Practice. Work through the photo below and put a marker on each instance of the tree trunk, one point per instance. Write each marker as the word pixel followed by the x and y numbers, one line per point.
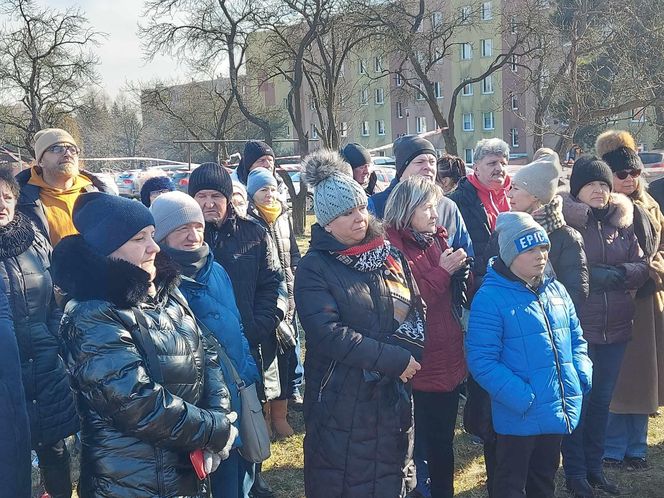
pixel 659 126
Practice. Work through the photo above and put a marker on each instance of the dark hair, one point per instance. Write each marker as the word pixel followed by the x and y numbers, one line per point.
pixel 7 176
pixel 450 166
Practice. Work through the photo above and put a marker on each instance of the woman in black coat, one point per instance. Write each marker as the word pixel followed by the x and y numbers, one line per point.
pixel 148 385
pixel 364 325
pixel 25 270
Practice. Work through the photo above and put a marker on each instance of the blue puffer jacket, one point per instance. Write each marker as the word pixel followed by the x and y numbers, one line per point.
pixel 210 297
pixel 527 350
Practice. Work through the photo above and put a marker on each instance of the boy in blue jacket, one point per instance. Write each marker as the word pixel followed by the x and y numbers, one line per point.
pixel 525 347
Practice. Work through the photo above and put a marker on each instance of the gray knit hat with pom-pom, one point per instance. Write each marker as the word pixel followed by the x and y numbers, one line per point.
pixel 335 190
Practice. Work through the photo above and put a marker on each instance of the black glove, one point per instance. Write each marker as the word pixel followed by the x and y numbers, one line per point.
pixel 460 285
pixel 604 278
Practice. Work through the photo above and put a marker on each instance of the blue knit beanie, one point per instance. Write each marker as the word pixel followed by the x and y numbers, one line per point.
pixel 155 184
pixel 258 179
pixel 107 221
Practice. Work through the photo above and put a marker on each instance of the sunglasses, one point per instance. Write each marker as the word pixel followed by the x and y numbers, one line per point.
pixel 60 149
pixel 634 173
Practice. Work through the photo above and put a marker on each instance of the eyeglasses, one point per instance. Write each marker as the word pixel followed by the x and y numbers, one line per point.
pixel 634 173
pixel 60 149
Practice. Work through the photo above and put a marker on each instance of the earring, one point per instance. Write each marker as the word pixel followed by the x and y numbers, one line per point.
pixel 328 229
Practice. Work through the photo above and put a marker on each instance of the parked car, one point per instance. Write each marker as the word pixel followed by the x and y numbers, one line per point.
pixel 653 162
pixel 384 176
pixel 181 180
pixel 295 178
pixel 127 183
pixel 380 161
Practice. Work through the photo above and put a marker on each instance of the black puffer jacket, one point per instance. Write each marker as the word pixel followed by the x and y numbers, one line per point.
pixel 249 256
pixel 25 269
pixel 288 253
pixel 357 431
pixel 137 434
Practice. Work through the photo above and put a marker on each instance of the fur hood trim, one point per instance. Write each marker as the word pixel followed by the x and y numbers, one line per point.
pixel 577 214
pixel 84 275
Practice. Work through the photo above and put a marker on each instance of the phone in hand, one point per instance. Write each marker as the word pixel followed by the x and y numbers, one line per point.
pixel 198 461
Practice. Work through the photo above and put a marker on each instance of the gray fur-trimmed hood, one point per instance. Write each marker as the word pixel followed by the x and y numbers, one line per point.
pixel 577 214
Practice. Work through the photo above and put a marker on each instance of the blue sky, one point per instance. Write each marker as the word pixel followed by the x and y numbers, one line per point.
pixel 120 52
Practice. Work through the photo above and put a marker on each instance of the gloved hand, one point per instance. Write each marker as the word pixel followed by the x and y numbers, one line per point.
pixel 460 285
pixel 225 453
pixel 605 278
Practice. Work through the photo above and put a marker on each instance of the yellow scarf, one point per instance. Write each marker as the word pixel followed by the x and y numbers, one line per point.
pixel 58 204
pixel 270 213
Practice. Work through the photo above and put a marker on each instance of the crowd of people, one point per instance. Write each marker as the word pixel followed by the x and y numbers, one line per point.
pixel 139 326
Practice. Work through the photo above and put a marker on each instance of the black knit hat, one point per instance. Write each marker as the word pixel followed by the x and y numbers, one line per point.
pixel 407 148
pixel 588 169
pixel 253 151
pixel 107 221
pixel 618 148
pixel 155 184
pixel 355 155
pixel 622 159
pixel 213 177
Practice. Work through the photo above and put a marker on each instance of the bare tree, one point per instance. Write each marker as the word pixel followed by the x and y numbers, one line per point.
pixel 46 62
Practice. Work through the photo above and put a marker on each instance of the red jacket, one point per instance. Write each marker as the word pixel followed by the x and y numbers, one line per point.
pixel 443 363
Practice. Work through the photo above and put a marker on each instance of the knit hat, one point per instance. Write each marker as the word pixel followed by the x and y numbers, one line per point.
pixel 210 176
pixel 539 178
pixel 155 184
pixel 355 155
pixel 172 210
pixel 407 148
pixel 258 179
pixel 238 188
pixel 253 151
pixel 335 191
pixel 50 136
pixel 588 169
pixel 517 233
pixel 618 149
pixel 107 221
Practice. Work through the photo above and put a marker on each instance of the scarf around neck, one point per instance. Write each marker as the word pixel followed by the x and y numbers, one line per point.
pixel 550 215
pixel 191 262
pixel 408 315
pixel 423 240
pixel 270 213
pixel 16 236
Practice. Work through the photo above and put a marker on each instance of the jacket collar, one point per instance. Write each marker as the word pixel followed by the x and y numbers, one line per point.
pixel 578 215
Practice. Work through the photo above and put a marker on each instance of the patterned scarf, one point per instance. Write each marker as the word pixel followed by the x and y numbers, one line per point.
pixel 550 216
pixel 379 254
pixel 423 240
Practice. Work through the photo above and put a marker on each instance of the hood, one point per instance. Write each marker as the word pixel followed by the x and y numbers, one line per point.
pixel 577 214
pixel 85 275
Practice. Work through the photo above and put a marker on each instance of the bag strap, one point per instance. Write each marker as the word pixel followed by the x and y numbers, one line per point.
pixel 152 360
pixel 207 333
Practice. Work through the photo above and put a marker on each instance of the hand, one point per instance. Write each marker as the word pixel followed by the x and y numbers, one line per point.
pixel 232 435
pixel 605 278
pixel 452 260
pixel 410 371
pixel 210 461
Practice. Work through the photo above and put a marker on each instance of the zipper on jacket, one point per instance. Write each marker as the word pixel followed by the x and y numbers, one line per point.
pixel 326 379
pixel 160 472
pixel 557 360
pixel 606 299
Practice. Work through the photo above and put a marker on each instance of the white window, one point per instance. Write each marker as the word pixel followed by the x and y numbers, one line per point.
pixel 364 96
pixel 421 57
pixel 398 80
pixel 287 130
pixel 638 115
pixel 487 47
pixel 465 13
pixel 342 69
pixel 485 11
pixel 314 131
pixel 363 67
pixel 421 124
pixel 312 103
pixel 343 129
pixel 544 78
pixel 420 93
pixel 380 127
pixel 468 121
pixel 514 102
pixel 365 128
pixel 468 155
pixel 379 95
pixel 438 89
pixel 466 51
pixel 378 65
pixel 514 133
pixel 487 118
pixel 514 63
pixel 284 101
pixel 341 99
pixel 467 90
pixel 513 25
pixel 399 110
pixel 487 84
pixel 436 19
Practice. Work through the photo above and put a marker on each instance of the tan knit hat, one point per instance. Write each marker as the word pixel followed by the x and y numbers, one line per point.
pixel 50 136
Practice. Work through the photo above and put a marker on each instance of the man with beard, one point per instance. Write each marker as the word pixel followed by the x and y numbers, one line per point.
pixel 50 188
pixel 360 160
pixel 483 195
pixel 248 255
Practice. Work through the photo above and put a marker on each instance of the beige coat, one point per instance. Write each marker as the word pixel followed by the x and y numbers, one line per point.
pixel 640 387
